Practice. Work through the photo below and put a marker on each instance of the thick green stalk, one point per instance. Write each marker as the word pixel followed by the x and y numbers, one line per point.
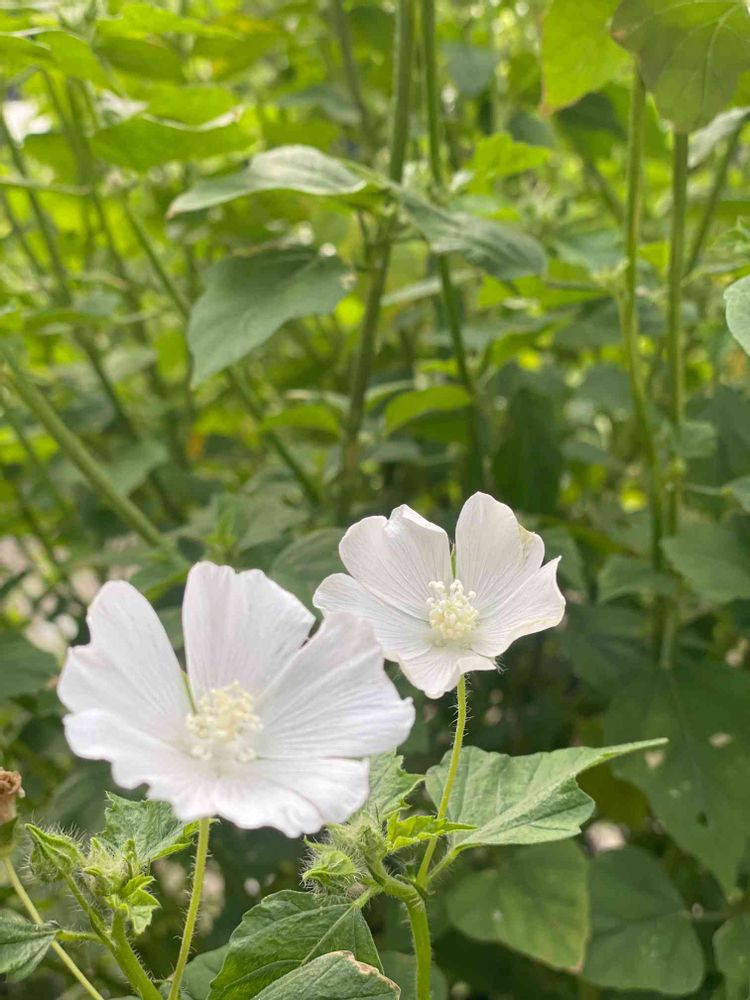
pixel 450 780
pixel 20 236
pixel 450 297
pixel 381 253
pixel 201 854
pixel 79 454
pixel 675 335
pixel 717 188
pixel 39 466
pixel 33 913
pixel 129 963
pixel 629 314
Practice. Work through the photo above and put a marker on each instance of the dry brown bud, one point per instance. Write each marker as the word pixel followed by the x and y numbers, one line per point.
pixel 10 790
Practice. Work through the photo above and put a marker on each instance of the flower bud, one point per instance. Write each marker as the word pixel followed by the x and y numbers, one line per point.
pixel 10 790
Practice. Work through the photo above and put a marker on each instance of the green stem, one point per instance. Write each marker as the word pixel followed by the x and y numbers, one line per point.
pixel 403 72
pixel 449 295
pixel 341 27
pixel 201 853
pixel 78 453
pixel 629 314
pixel 20 236
pixel 240 383
pixel 420 932
pixel 129 963
pixel 675 338
pixel 32 911
pixel 37 464
pixel 458 739
pixel 720 178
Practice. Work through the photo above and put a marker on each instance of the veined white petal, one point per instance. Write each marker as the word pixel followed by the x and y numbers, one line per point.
pixel 129 668
pixel 140 758
pixel 334 699
pixel 239 627
pixel 536 605
pixel 398 558
pixel 399 633
pixel 439 670
pixel 295 796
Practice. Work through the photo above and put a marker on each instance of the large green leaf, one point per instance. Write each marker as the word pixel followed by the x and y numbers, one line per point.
pixel 604 645
pixel 578 54
pixel 24 668
pixel 142 141
pixel 690 53
pixel 713 559
pixel 302 565
pixel 412 405
pixel 281 933
pixel 149 826
pixel 737 298
pixel 535 901
pixel 501 251
pixel 390 785
pixel 521 800
pixel 337 976
pixel 247 299
pixel 699 783
pixel 23 945
pixel 732 950
pixel 642 937
pixel 201 971
pixel 288 168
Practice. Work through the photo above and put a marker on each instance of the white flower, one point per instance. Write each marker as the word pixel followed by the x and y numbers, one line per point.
pixel 435 623
pixel 266 729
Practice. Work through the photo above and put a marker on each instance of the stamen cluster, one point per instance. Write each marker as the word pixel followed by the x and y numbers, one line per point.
pixel 452 615
pixel 224 724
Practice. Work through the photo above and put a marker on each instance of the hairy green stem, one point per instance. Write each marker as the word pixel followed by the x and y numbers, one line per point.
pixel 33 913
pixel 403 72
pixel 458 739
pixel 78 453
pixel 201 854
pixel 675 335
pixel 717 188
pixel 351 71
pixel 130 964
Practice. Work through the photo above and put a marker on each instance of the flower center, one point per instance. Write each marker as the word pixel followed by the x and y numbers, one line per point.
pixel 452 616
pixel 224 724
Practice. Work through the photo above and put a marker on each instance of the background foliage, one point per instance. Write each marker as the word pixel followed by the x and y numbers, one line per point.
pixel 231 323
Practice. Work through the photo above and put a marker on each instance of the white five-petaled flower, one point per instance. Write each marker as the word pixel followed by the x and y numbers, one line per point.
pixel 435 623
pixel 266 728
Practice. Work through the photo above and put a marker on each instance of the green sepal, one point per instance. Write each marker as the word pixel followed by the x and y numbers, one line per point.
pixel 403 833
pixel 54 855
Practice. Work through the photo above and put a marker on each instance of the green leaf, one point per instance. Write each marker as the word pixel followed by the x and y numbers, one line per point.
pixel 535 901
pixel 713 559
pixel 282 932
pixel 699 784
pixel 740 490
pixel 498 156
pixel 25 668
pixel 501 251
pixel 413 830
pixel 303 169
pixel 402 970
pixel 622 575
pixel 302 565
pixel 142 142
pixel 247 299
pixel 390 785
pixel 137 18
pixel 19 52
pixel 200 972
pixel 150 827
pixel 472 68
pixel 74 56
pixel 737 298
pixel 521 800
pixel 133 465
pixel 412 405
pixel 578 54
pixel 642 937
pixel 23 945
pixel 732 950
pixel 690 54
pixel 338 976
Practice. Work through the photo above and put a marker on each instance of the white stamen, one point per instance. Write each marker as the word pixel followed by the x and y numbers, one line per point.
pixel 452 615
pixel 224 725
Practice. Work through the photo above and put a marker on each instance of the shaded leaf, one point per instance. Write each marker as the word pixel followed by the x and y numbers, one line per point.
pixel 732 950
pixel 402 970
pixel 23 945
pixel 150 826
pixel 713 559
pixel 24 668
pixel 737 298
pixel 412 405
pixel 302 565
pixel 390 785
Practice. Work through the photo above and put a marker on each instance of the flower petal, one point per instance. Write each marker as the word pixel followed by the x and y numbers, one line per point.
pixel 398 558
pixel 536 605
pixel 439 670
pixel 239 627
pixel 129 668
pixel 140 758
pixel 334 699
pixel 294 796
pixel 400 634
